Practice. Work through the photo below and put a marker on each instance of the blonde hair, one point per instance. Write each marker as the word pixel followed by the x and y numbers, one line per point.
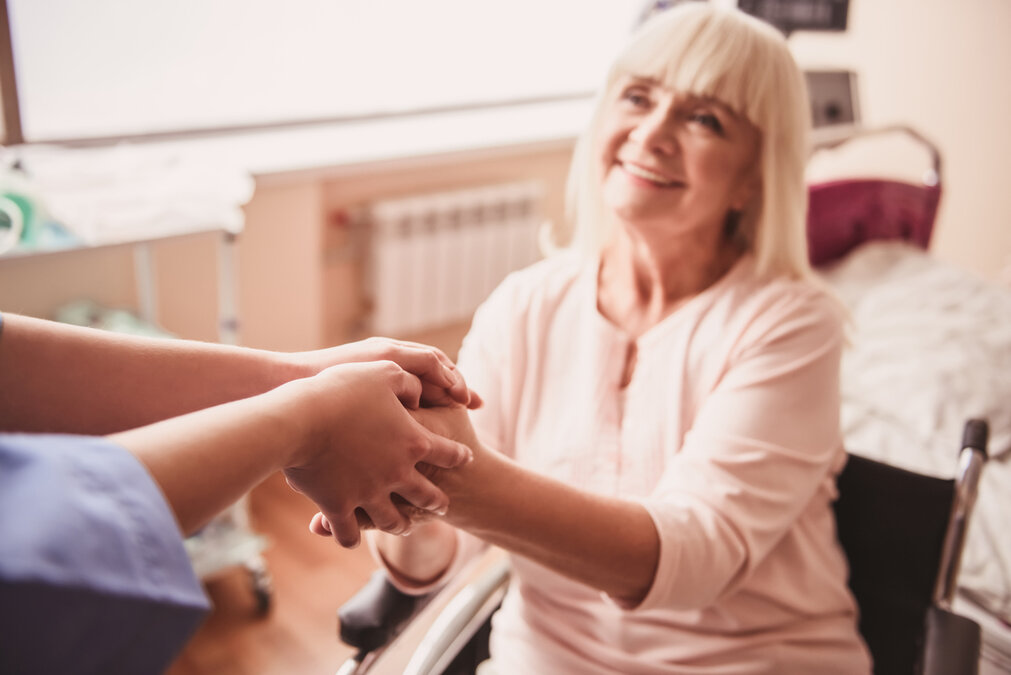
pixel 725 54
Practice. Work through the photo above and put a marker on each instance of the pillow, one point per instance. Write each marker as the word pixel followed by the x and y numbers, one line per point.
pixel 846 213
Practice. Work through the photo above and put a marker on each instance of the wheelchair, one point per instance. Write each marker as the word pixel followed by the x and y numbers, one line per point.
pixel 886 518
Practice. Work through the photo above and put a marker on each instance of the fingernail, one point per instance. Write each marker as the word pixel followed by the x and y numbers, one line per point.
pixel 441 511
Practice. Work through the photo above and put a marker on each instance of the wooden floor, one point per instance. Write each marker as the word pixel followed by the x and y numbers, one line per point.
pixel 312 577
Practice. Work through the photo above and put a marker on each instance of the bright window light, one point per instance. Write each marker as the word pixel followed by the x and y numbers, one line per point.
pixel 112 68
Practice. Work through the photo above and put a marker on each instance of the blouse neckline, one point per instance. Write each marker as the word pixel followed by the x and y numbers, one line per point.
pixel 591 281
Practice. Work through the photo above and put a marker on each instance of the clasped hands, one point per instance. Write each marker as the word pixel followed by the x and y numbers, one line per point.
pixel 378 427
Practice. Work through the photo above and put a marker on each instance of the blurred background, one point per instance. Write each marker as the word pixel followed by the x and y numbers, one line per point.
pixel 331 106
pixel 295 175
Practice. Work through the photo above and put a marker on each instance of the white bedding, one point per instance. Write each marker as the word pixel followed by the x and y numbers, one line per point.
pixel 931 347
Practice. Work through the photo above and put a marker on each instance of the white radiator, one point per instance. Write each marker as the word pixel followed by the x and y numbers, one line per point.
pixel 435 257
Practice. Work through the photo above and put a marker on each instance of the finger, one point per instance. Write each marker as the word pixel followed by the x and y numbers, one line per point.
pixel 294 487
pixel 387 518
pixel 415 514
pixel 320 525
pixel 407 388
pixel 428 363
pixel 436 371
pixel 441 355
pixel 444 452
pixel 425 495
pixel 475 401
pixel 458 390
pixel 434 396
pixel 363 520
pixel 344 529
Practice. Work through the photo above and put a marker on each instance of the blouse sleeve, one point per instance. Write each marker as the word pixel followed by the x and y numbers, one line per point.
pixel 486 353
pixel 93 573
pixel 762 443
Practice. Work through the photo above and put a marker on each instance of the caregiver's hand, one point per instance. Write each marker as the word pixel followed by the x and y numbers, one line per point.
pixel 362 446
pixel 442 383
pixel 448 422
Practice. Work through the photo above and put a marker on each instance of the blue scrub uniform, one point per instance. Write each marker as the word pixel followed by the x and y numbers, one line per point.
pixel 93 574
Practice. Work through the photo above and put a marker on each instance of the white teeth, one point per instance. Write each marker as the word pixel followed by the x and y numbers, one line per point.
pixel 647 174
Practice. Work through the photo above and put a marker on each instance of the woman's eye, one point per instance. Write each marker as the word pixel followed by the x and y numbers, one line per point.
pixel 708 120
pixel 635 97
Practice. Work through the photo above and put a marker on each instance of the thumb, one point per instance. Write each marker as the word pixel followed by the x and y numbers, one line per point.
pixel 444 452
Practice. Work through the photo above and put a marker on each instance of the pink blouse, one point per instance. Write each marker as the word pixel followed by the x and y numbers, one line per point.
pixel 728 434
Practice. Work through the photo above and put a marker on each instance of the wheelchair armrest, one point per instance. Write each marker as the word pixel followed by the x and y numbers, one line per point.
pixel 460 619
pixel 377 613
pixel 952 644
pixel 398 633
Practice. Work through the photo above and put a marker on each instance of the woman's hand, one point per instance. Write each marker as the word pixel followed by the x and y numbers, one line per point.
pixel 442 383
pixel 452 422
pixel 363 446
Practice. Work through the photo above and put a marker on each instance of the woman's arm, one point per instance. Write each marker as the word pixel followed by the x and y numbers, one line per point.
pixel 415 561
pixel 607 543
pixel 66 379
pixel 343 438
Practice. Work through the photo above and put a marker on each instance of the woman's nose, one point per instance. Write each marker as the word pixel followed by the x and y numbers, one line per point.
pixel 655 132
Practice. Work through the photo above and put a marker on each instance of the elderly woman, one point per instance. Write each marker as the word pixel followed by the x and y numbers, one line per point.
pixel 660 436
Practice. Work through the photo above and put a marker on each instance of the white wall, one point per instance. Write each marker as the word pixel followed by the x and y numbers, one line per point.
pixel 942 66
pixel 945 68
pixel 121 67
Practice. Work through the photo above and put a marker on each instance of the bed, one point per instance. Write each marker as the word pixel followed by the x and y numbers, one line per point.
pixel 930 347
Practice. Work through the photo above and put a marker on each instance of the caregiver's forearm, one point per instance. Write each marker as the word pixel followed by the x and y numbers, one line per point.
pixel 60 378
pixel 205 460
pixel 607 543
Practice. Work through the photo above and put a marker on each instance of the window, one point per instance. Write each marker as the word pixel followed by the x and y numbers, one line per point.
pixel 120 68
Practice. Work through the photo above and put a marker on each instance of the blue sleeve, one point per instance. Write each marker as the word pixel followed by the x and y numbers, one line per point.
pixel 94 577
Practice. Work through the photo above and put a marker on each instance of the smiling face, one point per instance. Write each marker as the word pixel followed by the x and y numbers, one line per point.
pixel 671 163
pixel 731 63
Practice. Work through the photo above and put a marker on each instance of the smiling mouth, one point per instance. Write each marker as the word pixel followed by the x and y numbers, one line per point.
pixel 646 174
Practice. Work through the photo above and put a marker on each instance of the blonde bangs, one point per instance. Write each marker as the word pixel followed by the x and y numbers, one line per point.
pixel 705 53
